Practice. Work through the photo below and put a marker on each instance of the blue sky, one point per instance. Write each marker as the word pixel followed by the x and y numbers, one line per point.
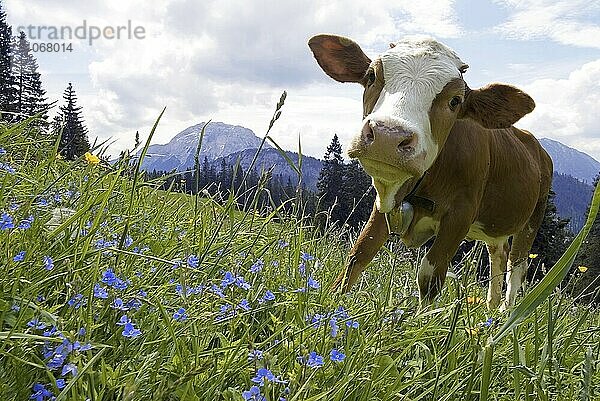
pixel 229 61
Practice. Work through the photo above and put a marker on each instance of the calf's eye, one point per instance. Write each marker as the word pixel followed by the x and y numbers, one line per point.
pixel 370 77
pixel 454 102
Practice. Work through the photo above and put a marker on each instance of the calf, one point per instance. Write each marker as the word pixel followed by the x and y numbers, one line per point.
pixel 445 160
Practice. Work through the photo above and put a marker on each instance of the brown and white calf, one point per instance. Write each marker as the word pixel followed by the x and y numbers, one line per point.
pixel 445 160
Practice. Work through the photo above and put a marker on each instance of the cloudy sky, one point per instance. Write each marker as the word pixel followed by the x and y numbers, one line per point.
pixel 229 60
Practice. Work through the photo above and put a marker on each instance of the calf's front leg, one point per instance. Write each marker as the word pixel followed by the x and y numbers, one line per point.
pixel 370 240
pixel 434 266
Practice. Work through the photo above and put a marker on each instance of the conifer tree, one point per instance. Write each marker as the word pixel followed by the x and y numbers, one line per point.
pixel 359 195
pixel 73 141
pixel 330 183
pixel 30 96
pixel 589 257
pixel 552 239
pixel 7 81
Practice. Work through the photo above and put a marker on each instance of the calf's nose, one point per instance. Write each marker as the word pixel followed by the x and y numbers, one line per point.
pixel 388 137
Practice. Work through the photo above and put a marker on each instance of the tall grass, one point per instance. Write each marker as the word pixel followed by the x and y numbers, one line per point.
pixel 218 294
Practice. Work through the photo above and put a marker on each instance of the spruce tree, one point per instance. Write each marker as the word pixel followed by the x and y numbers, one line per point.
pixel 331 180
pixel 73 141
pixel 552 239
pixel 30 96
pixel 7 81
pixel 358 194
pixel 589 257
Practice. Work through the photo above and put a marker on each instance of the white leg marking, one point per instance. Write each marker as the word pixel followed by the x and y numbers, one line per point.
pixel 497 267
pixel 515 278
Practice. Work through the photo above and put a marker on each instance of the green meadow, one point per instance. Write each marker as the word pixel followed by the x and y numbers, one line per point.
pixel 114 290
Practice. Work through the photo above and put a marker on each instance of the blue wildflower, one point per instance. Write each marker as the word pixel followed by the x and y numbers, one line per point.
pixel 81 331
pixel 142 293
pixel 77 301
pixel 334 327
pixel 82 347
pixel 264 375
pixel 244 304
pixel 6 167
pixel 488 322
pixel 15 308
pixel 336 356
pixel 2 151
pixel 50 332
pixel 60 383
pixel 217 291
pixel 134 304
pixel 100 292
pixel 128 241
pixel 6 222
pixel 180 315
pixel 69 368
pixel 119 304
pixel 130 331
pixel 302 269
pixel 123 320
pixel 19 257
pixel 306 257
pixel 228 279
pixel 312 283
pixel 269 296
pixel 36 324
pixel 314 360
pixel 48 263
pixel 253 394
pixel 257 266
pixel 193 261
pixel 57 360
pixel 240 282
pixel 352 323
pixel 26 223
pixel 40 393
pixel 255 355
pixel 42 202
pixel 282 244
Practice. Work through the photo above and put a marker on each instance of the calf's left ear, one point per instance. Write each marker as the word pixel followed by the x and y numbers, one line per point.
pixel 496 105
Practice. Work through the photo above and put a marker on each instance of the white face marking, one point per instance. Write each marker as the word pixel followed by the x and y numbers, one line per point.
pixel 415 71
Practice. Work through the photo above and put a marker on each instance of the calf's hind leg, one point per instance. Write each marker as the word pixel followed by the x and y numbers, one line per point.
pixel 498 252
pixel 519 253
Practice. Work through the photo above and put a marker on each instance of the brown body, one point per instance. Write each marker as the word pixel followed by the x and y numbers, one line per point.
pixel 487 184
pixel 426 135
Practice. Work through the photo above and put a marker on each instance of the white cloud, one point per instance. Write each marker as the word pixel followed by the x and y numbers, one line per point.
pixel 217 59
pixel 570 22
pixel 567 109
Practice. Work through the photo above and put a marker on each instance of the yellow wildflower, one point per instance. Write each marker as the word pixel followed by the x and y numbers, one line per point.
pixel 582 269
pixel 92 159
pixel 472 331
pixel 59 156
pixel 474 300
pixel 533 255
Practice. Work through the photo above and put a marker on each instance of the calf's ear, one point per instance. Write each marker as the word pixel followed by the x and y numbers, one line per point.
pixel 496 105
pixel 340 57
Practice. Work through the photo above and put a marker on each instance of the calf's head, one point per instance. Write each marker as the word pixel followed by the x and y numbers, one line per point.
pixel 413 94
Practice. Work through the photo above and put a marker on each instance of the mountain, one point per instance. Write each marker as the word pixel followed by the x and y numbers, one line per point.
pixel 572 199
pixel 229 142
pixel 219 140
pixel 271 158
pixel 571 161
